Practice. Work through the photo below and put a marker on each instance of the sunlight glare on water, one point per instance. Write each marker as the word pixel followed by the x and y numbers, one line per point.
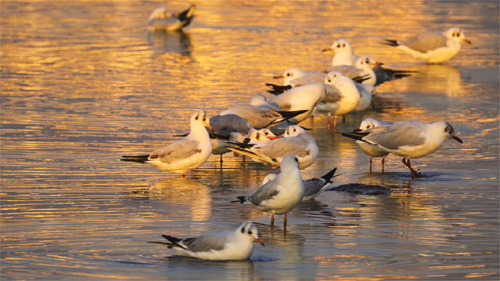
pixel 83 83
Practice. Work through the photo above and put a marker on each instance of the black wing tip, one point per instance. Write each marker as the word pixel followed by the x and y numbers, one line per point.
pixel 290 114
pixel 277 89
pixel 356 136
pixel 138 158
pixel 328 176
pixel 241 199
pixel 390 42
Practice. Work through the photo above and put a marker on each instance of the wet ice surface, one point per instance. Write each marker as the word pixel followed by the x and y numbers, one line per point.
pixel 84 83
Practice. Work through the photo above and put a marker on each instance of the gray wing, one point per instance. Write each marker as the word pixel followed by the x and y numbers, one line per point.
pixel 286 146
pixel 332 94
pixel 206 242
pixel 224 125
pixel 257 117
pixel 348 70
pixel 176 151
pixel 265 192
pixel 313 186
pixel 397 135
pixel 427 42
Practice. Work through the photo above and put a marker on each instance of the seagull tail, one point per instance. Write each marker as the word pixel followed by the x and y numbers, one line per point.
pixel 170 245
pixel 187 14
pixel 356 136
pixel 328 176
pixel 241 199
pixel 138 158
pixel 361 79
pixel 393 43
pixel 290 114
pixel 240 145
pixel 277 89
pixel 174 241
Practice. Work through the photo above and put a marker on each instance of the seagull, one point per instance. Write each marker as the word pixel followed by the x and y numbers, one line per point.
pixel 297 77
pixel 304 97
pixel 363 67
pixel 162 20
pixel 410 139
pixel 312 187
pixel 259 117
pixel 182 155
pixel 344 55
pixel 366 94
pixel 296 141
pixel 282 194
pixel 223 245
pixel 340 99
pixel 434 48
pixel 370 149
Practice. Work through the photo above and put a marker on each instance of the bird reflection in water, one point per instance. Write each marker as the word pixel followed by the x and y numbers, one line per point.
pixel 170 42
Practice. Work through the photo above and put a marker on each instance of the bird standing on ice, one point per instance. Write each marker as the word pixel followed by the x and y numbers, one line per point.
pixel 224 245
pixel 434 48
pixel 182 155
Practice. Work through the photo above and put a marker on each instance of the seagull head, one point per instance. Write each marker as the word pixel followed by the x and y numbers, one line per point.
pixel 449 133
pixel 457 35
pixel 199 117
pixel 250 232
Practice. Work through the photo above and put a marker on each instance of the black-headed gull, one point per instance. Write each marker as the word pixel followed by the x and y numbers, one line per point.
pixel 312 187
pixel 370 149
pixel 297 77
pixel 182 155
pixel 282 194
pixel 300 98
pixel 161 20
pixel 410 140
pixel 340 99
pixel 344 54
pixel 433 47
pixel 296 141
pixel 223 245
pixel 259 117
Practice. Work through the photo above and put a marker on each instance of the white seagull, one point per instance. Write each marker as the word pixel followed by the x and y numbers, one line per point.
pixel 344 54
pixel 409 140
pixel 370 149
pixel 434 48
pixel 223 245
pixel 340 99
pixel 282 194
pixel 182 155
pixel 296 141
pixel 162 20
pixel 304 97
pixel 312 187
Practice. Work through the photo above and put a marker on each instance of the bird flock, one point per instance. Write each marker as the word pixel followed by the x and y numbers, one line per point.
pixel 267 130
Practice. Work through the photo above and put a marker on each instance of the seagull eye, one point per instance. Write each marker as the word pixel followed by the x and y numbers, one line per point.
pixel 338 46
pixel 266 133
pixel 343 45
pixel 250 232
pixel 288 74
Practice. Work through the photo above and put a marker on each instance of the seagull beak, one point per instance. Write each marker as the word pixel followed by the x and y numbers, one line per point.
pixel 327 49
pixel 467 41
pixel 379 63
pixel 278 77
pixel 260 242
pixel 275 137
pixel 457 139
pixel 357 130
pixel 210 127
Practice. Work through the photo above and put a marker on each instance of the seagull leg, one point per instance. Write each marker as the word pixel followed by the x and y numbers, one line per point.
pixel 414 174
pixel 335 123
pixel 328 123
pixel 272 219
pixel 343 118
pixel 371 164
pixel 220 160
pixel 383 163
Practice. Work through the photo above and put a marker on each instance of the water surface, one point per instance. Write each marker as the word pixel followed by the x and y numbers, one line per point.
pixel 83 83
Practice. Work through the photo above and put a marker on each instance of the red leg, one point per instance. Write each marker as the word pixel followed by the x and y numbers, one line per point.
pixel 371 161
pixel 335 123
pixel 328 123
pixel 284 220
pixel 383 163
pixel 414 174
pixel 272 219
